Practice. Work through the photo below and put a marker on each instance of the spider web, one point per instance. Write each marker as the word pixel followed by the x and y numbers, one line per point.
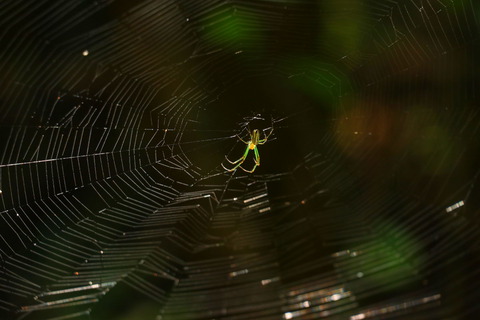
pixel 116 118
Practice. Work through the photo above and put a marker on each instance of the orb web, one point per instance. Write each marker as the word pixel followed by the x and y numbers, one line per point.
pixel 117 116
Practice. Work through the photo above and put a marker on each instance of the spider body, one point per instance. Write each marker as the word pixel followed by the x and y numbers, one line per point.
pixel 251 145
pixel 255 139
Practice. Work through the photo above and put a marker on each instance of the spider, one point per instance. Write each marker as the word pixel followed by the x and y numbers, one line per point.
pixel 251 145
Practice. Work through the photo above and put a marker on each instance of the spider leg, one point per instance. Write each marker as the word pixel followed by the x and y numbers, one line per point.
pixel 257 157
pixel 249 171
pixel 241 159
pixel 232 169
pixel 236 161
pixel 239 138
pixel 262 141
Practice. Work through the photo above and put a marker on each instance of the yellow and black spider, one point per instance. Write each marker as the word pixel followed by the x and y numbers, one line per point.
pixel 251 145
